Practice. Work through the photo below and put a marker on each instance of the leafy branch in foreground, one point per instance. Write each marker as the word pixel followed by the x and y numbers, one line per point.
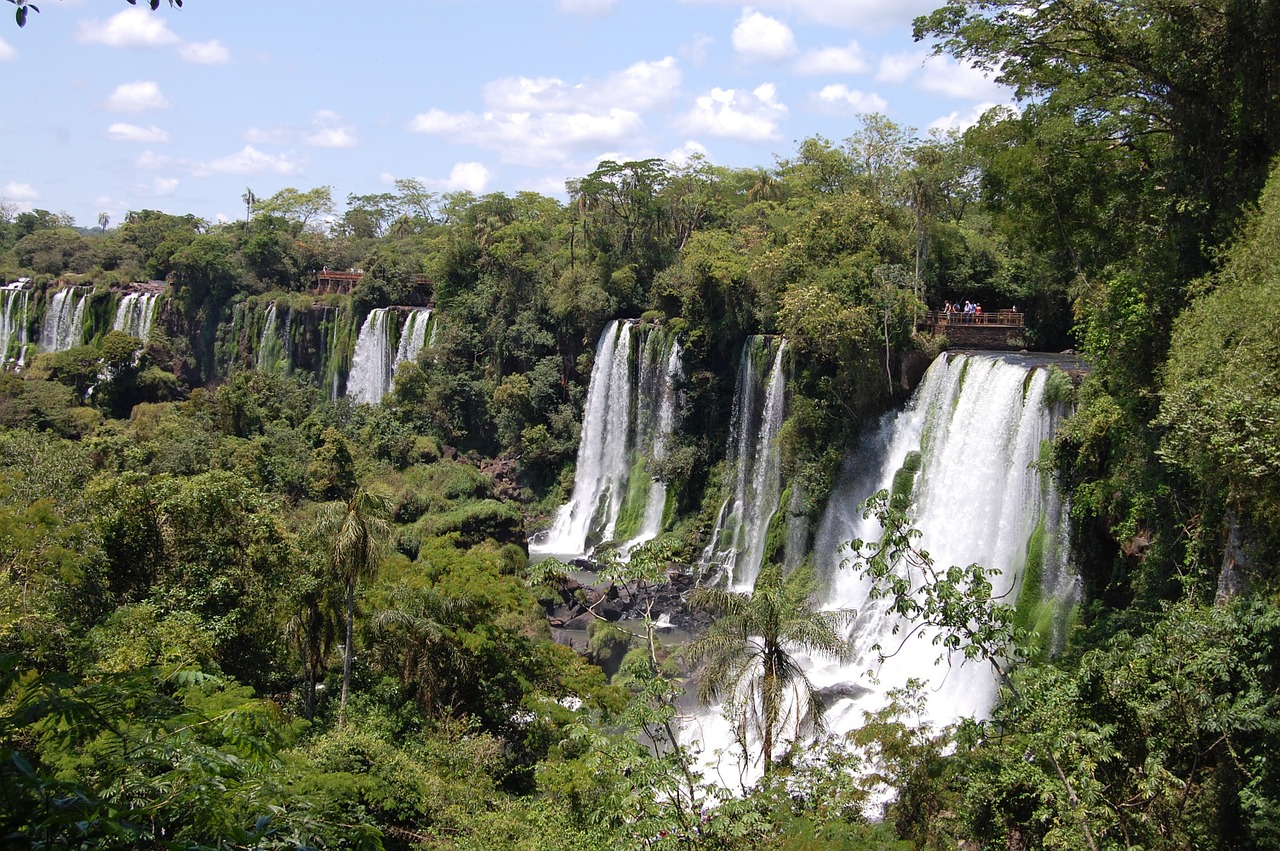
pixel 24 7
pixel 957 604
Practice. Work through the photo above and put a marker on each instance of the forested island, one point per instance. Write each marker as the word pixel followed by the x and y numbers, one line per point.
pixel 269 488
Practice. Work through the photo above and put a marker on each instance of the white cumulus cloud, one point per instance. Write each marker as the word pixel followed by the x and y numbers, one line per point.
pixel 526 138
pixel 164 185
pixel 946 76
pixel 15 191
pixel 833 60
pixel 685 153
pixel 468 177
pixel 760 37
pixel 148 159
pixel 141 96
pixel 205 52
pixel 734 114
pixel 122 132
pixel 250 161
pixel 329 132
pixel 900 67
pixel 958 120
pixel 842 100
pixel 128 28
pixel 640 86
pixel 7 53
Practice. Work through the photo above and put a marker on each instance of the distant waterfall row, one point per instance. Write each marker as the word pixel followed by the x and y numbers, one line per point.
pixel 323 341
pixel 64 323
pixel 631 411
pixel 343 355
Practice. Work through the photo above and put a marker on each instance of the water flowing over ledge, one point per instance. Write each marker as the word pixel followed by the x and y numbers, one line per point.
pixel 973 430
pixel 631 409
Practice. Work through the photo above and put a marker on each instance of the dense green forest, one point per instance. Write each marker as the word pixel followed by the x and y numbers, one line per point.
pixel 239 608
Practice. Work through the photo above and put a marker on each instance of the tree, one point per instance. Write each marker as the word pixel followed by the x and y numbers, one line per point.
pixel 306 208
pixel 104 219
pixel 249 200
pixel 749 652
pixel 359 534
pixel 24 7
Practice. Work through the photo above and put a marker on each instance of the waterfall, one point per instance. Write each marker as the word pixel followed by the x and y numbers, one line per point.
pixel 373 365
pixel 413 338
pixel 274 352
pixel 13 323
pixel 64 321
pixel 631 411
pixel 974 431
pixel 738 542
pixel 135 313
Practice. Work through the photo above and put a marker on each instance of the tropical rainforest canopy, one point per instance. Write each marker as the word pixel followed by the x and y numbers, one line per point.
pixel 240 610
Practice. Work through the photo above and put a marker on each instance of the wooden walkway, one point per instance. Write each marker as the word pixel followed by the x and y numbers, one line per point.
pixel 938 319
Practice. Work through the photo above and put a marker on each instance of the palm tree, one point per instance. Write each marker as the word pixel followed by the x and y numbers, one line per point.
pixel 749 655
pixel 416 635
pixel 358 535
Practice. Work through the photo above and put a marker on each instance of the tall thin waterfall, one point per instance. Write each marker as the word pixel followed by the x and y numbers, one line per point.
pixel 135 314
pixel 274 352
pixel 413 337
pixel 13 324
pixel 974 431
pixel 64 321
pixel 631 410
pixel 371 362
pixel 738 542
pixel 374 362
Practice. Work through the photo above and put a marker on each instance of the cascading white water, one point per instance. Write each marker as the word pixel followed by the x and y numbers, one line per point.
pixel 374 362
pixel 64 321
pixel 135 313
pixel 274 353
pixel 414 336
pixel 660 368
pixel 371 362
pixel 978 422
pixel 13 323
pixel 630 412
pixel 738 542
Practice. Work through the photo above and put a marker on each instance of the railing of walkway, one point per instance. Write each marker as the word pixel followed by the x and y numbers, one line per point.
pixel 1006 318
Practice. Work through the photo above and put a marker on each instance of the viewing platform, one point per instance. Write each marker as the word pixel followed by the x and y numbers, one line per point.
pixel 332 282
pixel 998 330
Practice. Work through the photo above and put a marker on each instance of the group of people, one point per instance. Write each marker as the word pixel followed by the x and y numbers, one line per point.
pixel 971 310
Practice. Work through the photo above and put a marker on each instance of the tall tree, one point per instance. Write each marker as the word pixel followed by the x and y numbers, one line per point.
pixel 750 655
pixel 359 534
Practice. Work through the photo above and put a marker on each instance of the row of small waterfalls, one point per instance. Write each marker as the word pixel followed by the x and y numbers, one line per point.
pixel 348 359
pixel 965 449
pixel 63 327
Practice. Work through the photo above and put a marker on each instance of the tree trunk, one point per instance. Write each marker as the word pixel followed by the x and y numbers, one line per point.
pixel 347 650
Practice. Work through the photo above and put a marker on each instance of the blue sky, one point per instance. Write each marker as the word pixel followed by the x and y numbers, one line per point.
pixel 112 108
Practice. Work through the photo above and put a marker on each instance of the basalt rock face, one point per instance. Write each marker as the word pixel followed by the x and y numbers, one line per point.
pixel 576 605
